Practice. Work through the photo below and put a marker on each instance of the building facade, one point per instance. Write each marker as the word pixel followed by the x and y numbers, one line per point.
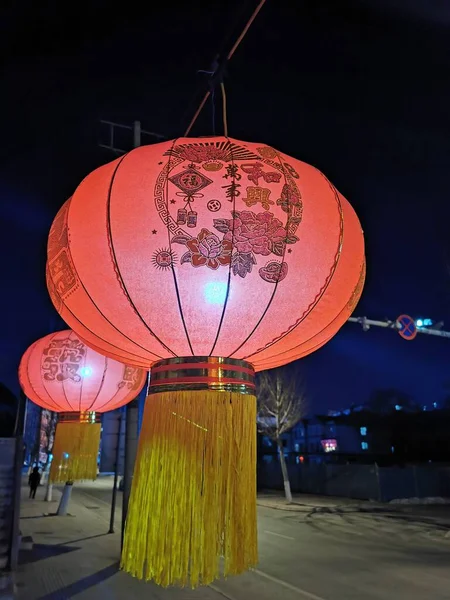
pixel 315 440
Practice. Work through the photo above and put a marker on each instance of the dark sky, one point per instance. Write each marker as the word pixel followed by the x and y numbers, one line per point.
pixel 360 89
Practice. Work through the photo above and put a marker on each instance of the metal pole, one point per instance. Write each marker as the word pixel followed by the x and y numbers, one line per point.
pixel 19 428
pixel 65 499
pixel 131 443
pixel 305 423
pixel 15 529
pixel 137 130
pixel 25 416
pixel 116 476
pixel 377 471
pixel 136 134
pixel 49 490
pixel 437 332
pixel 21 414
pixel 416 483
pixel 368 323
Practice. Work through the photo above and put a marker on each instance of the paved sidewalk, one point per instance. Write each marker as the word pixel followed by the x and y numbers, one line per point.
pixel 365 552
pixel 74 556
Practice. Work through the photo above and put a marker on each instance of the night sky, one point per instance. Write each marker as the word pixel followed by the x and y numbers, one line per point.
pixel 360 89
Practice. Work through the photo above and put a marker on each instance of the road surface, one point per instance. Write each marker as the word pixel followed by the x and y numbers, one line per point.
pixel 330 554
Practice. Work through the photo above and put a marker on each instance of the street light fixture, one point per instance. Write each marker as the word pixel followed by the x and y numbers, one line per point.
pixel 424 322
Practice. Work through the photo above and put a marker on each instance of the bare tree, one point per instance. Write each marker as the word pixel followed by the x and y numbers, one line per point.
pixel 281 405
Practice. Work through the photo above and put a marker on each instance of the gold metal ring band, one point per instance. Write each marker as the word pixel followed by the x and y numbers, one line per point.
pixel 202 373
pixel 79 417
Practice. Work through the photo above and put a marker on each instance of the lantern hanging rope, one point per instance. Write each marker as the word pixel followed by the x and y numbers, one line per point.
pixel 60 373
pixel 222 86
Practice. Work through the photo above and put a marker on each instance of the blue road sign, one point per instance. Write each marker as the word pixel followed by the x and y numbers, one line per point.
pixel 406 327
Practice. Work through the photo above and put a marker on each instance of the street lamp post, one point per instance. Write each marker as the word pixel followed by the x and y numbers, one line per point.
pixel 116 474
pixel 137 133
pixel 131 444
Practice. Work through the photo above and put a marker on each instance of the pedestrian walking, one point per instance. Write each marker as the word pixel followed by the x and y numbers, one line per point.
pixel 33 481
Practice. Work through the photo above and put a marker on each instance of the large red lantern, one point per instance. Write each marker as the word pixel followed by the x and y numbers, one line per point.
pixel 205 259
pixel 60 373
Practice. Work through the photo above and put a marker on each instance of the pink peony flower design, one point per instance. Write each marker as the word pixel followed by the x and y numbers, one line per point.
pixel 207 249
pixel 274 272
pixel 250 232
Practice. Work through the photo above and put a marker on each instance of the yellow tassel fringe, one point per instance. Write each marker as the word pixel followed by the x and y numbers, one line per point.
pixel 193 498
pixel 75 452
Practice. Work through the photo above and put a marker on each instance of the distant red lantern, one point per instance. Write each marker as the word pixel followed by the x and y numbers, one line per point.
pixel 60 373
pixel 227 252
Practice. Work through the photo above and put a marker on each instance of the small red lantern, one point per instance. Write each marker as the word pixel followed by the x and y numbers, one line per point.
pixel 60 373
pixel 206 260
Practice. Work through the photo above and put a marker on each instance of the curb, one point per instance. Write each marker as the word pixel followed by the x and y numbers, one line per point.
pixel 387 510
pixel 288 507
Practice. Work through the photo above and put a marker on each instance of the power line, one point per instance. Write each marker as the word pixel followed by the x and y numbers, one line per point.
pixel 217 74
pixel 238 17
pixel 216 77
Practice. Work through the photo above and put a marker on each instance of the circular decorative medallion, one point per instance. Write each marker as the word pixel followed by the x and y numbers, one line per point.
pixel 163 259
pixel 214 205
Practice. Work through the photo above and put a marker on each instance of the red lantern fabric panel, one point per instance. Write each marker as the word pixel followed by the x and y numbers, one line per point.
pixel 207 246
pixel 61 373
pixel 334 306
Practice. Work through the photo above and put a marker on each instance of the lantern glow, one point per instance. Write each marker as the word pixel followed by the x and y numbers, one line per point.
pixel 215 293
pixel 85 371
pixel 60 373
pixel 206 260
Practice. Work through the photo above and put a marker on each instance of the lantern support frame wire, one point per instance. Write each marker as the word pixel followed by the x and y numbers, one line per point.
pixel 219 72
pixel 224 109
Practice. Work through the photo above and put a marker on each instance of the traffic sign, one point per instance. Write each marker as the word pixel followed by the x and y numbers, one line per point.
pixel 406 327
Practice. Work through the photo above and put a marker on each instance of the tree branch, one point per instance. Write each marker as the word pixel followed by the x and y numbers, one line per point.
pixel 281 402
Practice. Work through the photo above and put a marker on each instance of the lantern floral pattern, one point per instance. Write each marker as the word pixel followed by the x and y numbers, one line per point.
pixel 208 245
pixel 247 235
pixel 60 372
pixel 206 250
